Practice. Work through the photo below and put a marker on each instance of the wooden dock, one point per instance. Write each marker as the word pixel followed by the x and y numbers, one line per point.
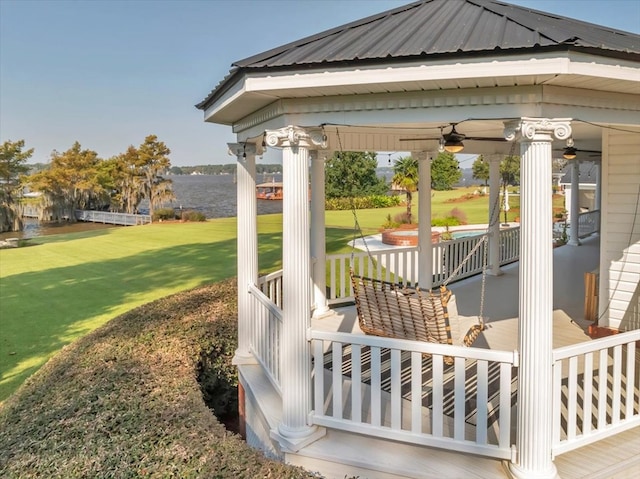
pixel 107 217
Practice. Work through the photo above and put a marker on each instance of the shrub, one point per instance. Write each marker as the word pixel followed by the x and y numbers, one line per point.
pixel 389 224
pixel 402 218
pixel 191 215
pixel 124 401
pixel 164 214
pixel 460 215
pixel 446 236
pixel 446 222
pixel 364 202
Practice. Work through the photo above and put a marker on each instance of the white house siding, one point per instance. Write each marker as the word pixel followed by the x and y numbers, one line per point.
pixel 620 251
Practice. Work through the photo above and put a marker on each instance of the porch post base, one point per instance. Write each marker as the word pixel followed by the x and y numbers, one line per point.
pixel 243 357
pixel 574 242
pixel 293 441
pixel 494 272
pixel 323 312
pixel 517 473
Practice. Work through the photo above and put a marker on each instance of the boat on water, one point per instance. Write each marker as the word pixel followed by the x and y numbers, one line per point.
pixel 269 191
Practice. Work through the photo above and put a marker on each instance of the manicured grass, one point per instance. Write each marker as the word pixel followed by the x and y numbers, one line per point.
pixel 63 286
pixel 475 207
pixel 127 400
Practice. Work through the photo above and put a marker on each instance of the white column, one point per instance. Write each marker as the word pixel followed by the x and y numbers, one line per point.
pixel 574 214
pixel 494 215
pixel 534 418
pixel 294 430
pixel 247 244
pixel 598 193
pixel 318 235
pixel 425 246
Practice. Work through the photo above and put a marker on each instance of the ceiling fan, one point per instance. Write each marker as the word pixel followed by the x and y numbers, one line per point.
pixel 452 142
pixel 570 152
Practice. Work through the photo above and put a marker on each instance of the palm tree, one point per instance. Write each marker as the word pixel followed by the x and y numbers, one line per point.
pixel 405 176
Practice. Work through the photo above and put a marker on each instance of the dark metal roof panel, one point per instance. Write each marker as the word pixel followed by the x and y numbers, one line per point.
pixel 443 27
pixel 439 27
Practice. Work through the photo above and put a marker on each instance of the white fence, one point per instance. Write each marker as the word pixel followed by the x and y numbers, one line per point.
pixel 596 390
pixel 406 391
pixel 107 217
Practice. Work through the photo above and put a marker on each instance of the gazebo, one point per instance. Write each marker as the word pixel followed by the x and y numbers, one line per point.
pixel 507 79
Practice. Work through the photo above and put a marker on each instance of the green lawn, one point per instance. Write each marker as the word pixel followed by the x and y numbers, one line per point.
pixel 63 286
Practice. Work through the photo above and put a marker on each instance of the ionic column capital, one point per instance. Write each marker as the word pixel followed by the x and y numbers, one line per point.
pixel 243 148
pixel 537 129
pixel 295 136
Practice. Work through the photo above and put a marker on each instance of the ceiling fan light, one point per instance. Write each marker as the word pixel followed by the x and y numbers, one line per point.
pixel 453 146
pixel 569 153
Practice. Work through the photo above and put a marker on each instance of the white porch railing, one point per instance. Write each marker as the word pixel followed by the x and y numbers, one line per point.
pixel 266 334
pixel 388 388
pixel 400 265
pixel 588 223
pixel 379 264
pixel 271 286
pixel 596 390
pixel 509 245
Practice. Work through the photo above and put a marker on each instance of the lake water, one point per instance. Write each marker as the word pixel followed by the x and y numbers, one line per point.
pixel 213 195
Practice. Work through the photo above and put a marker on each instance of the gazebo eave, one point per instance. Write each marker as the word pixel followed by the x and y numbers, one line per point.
pixel 252 90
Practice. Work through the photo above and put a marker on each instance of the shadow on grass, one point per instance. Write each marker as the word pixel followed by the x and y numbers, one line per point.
pixel 45 310
pixel 62 236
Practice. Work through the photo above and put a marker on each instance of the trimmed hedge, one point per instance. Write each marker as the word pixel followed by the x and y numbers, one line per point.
pixel 124 401
pixel 191 215
pixel 365 202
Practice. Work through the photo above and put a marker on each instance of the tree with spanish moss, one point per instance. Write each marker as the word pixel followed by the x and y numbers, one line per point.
pixel 137 175
pixel 12 167
pixel 153 162
pixel 73 181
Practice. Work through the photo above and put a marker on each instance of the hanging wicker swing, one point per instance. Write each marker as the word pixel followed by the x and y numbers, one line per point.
pixel 395 311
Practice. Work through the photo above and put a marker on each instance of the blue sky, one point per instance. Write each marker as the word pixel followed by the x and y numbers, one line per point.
pixel 109 73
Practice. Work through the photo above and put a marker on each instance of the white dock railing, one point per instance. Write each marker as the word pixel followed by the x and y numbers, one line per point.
pixel 596 390
pixel 391 388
